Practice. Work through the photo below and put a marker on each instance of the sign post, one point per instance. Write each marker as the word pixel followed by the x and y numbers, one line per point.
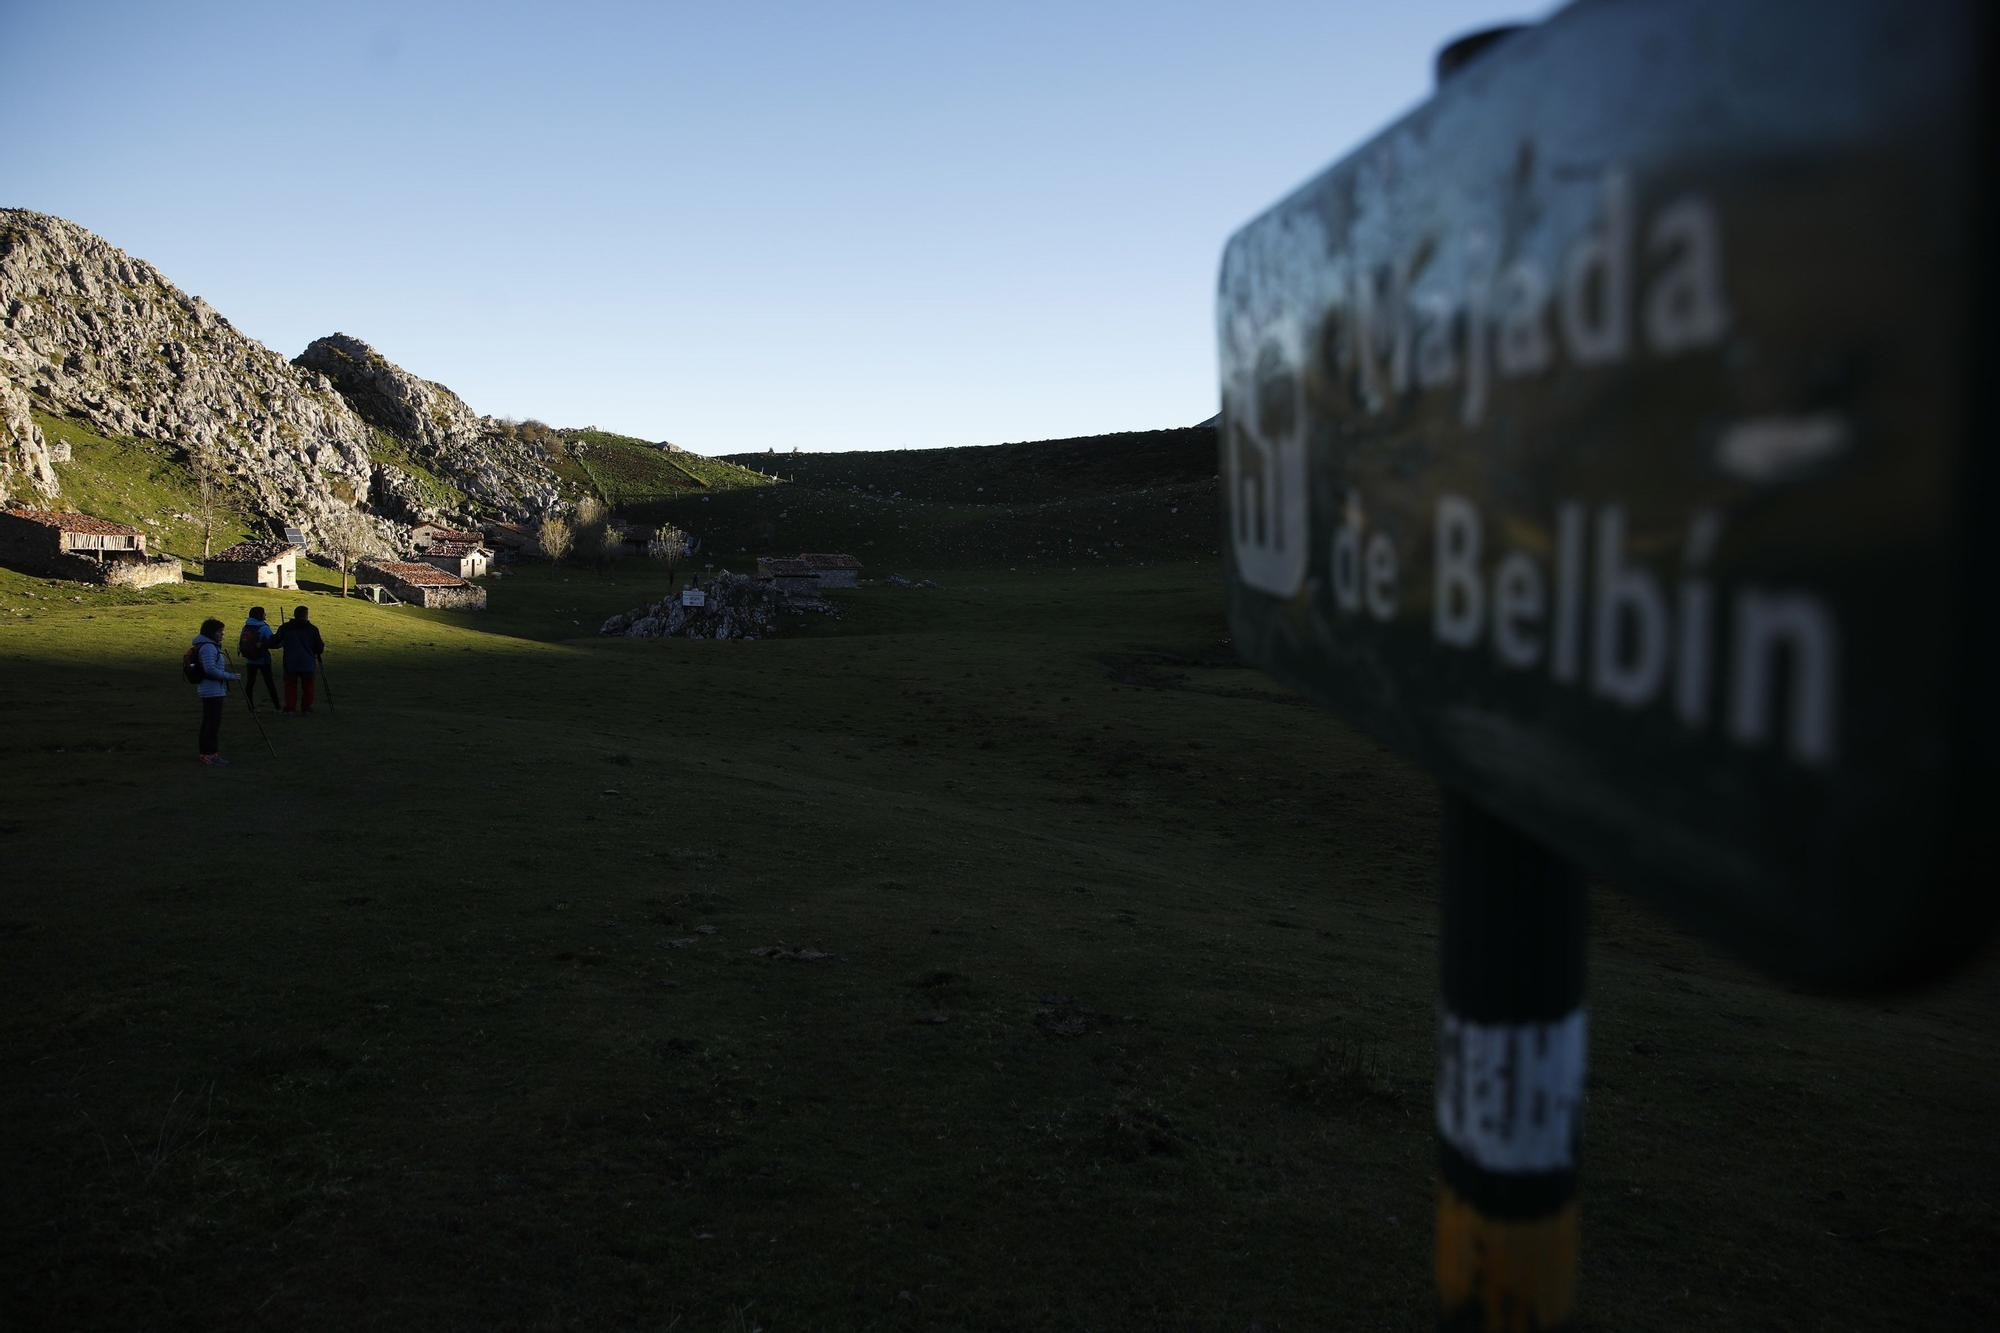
pixel 1610 435
pixel 1512 1047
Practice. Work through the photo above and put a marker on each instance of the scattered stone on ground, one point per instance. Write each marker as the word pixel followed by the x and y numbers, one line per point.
pixel 736 608
pixel 792 955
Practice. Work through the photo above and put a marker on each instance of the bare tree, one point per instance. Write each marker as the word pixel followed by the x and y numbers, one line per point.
pixel 669 546
pixel 553 535
pixel 347 540
pixel 205 463
pixel 605 542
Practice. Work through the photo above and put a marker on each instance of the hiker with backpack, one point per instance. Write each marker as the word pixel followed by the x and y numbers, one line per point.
pixel 205 668
pixel 300 640
pixel 253 647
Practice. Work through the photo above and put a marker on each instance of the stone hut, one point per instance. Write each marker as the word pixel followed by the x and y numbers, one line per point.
pixel 82 547
pixel 432 530
pixel 510 541
pixel 260 564
pixel 835 571
pixel 467 559
pixel 787 573
pixel 424 585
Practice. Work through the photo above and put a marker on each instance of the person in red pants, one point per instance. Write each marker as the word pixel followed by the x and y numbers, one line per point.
pixel 303 647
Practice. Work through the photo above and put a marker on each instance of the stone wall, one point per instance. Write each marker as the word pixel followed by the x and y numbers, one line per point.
pixel 28 547
pixel 148 572
pixel 467 598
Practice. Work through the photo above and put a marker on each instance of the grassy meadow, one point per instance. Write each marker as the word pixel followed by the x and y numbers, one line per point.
pixel 497 997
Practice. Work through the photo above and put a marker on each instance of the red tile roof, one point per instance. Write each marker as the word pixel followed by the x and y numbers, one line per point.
pixel 417 576
pixel 831 561
pixel 102 527
pixel 254 553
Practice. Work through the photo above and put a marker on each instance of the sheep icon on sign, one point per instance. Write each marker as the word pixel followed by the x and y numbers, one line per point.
pixel 1265 418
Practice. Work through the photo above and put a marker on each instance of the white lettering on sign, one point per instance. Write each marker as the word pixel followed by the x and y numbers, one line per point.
pixel 1364 565
pixel 1637 636
pixel 1620 289
pixel 693 597
pixel 1597 607
pixel 1767 449
pixel 1509 1095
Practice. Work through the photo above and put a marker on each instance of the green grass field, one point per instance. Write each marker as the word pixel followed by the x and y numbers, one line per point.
pixel 450 1017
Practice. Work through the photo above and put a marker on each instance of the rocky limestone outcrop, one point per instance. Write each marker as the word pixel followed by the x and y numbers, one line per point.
pixel 735 608
pixel 89 332
pixel 26 458
pixel 483 457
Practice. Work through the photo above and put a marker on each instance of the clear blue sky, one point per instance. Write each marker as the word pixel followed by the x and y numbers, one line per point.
pixel 731 225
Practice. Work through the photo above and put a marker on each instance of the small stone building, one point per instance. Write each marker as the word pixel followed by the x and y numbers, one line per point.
pixel 424 585
pixel 81 547
pixel 467 559
pixel 787 573
pixel 260 564
pixel 510 541
pixel 835 571
pixel 431 531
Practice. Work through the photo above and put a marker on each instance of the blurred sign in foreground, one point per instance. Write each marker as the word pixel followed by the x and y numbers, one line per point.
pixel 1611 436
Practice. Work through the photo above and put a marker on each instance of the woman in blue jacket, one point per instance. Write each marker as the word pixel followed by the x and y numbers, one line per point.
pixel 212 689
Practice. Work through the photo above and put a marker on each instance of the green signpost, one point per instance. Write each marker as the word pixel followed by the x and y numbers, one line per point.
pixel 1609 434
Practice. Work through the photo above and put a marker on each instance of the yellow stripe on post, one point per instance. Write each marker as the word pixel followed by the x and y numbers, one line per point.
pixel 1513 1275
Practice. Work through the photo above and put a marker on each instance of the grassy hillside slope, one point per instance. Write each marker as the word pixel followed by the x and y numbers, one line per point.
pixel 1138 498
pixel 1035 472
pixel 624 471
pixel 449 1016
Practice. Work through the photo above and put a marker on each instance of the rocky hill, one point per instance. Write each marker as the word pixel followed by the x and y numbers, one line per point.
pixel 90 333
pixel 494 466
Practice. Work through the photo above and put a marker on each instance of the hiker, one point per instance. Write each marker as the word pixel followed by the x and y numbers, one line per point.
pixel 303 648
pixel 253 646
pixel 212 688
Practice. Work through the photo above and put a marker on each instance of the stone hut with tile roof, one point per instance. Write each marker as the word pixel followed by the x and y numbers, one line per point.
pixel 423 535
pixel 835 571
pixel 787 573
pixel 82 547
pixel 259 564
pixel 424 585
pixel 510 541
pixel 468 559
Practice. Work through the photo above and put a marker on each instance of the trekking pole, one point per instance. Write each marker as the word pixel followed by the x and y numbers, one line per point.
pixel 328 683
pixel 252 701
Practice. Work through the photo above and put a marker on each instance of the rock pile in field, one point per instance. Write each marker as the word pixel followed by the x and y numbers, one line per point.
pixel 495 468
pixel 736 608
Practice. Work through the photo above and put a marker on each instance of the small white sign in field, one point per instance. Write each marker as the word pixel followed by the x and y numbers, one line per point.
pixel 693 597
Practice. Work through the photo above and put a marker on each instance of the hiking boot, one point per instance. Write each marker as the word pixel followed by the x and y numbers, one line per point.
pixel 213 759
